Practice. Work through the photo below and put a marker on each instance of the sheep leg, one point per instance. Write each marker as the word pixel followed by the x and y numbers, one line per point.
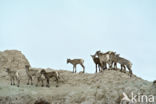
pixel 121 68
pixel 13 81
pixel 104 66
pixel 96 68
pixel 31 81
pixel 18 81
pixel 42 83
pixel 124 68
pixel 110 65
pixel 37 82
pixel 115 65
pixel 47 83
pixel 83 68
pixel 57 81
pixel 75 68
pixel 130 71
pixel 28 80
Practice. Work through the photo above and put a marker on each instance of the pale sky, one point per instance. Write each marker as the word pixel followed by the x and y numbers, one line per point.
pixel 50 31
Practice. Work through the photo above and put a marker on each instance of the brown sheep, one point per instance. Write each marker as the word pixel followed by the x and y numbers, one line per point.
pixel 14 75
pixel 40 78
pixel 49 75
pixel 97 62
pixel 124 63
pixel 30 73
pixel 104 59
pixel 74 62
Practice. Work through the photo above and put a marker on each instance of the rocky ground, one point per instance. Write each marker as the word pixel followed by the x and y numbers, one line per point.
pixel 101 88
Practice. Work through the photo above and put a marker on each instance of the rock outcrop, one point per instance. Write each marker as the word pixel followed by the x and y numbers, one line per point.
pixel 13 59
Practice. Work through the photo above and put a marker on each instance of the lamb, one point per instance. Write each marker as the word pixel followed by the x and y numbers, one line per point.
pixel 74 62
pixel 14 75
pixel 30 73
pixel 97 62
pixel 49 75
pixel 124 63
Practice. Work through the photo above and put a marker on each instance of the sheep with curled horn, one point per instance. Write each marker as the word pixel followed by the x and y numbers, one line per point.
pixel 97 62
pixel 49 75
pixel 14 75
pixel 75 62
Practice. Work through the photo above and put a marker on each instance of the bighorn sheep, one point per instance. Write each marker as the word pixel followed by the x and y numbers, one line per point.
pixel 14 75
pixel 113 59
pixel 30 73
pixel 154 82
pixel 74 62
pixel 97 62
pixel 124 63
pixel 49 75
pixel 40 78
pixel 104 59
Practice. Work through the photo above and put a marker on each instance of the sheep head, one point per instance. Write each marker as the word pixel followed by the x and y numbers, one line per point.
pixel 43 71
pixel 68 60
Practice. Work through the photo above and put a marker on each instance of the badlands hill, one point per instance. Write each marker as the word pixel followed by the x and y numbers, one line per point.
pixel 102 88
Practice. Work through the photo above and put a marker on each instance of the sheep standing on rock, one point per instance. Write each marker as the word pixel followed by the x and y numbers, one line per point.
pixel 124 63
pixel 74 62
pixel 14 75
pixel 49 75
pixel 97 62
pixel 104 59
pixel 30 73
pixel 112 59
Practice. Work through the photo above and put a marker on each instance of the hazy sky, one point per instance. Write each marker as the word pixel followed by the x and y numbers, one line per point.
pixel 50 31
